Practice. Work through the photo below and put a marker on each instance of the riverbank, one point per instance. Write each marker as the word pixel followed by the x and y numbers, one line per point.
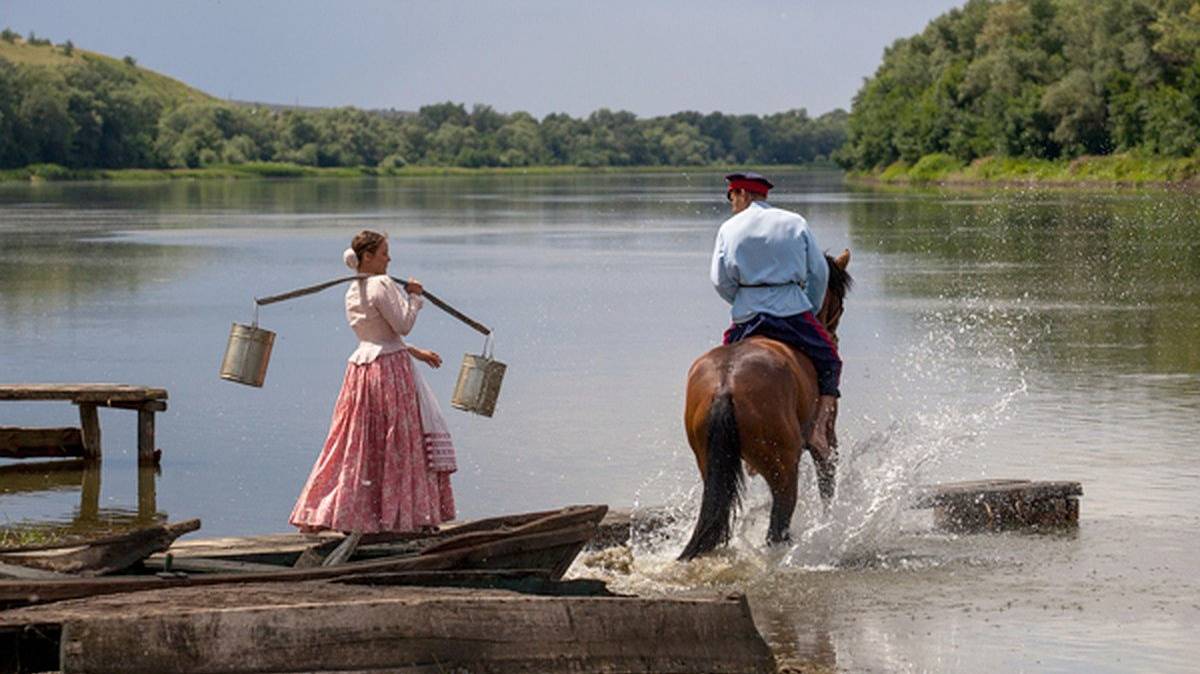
pixel 55 173
pixel 1117 170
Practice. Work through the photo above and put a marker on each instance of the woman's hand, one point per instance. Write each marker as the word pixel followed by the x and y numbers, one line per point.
pixel 414 287
pixel 430 358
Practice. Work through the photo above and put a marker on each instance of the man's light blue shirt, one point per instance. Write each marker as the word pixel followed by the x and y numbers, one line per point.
pixel 773 252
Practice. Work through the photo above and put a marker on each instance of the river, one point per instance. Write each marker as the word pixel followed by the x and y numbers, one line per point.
pixel 1004 333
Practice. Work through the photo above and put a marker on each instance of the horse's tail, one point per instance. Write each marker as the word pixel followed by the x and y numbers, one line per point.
pixel 722 481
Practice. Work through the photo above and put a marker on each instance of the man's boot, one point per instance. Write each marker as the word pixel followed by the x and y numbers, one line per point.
pixel 824 438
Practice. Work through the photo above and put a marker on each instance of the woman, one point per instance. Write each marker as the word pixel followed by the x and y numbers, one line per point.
pixel 387 461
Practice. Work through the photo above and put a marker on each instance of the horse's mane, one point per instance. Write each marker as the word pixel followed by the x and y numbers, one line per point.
pixel 840 280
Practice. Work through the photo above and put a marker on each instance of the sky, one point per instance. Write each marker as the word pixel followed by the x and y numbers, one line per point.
pixel 540 56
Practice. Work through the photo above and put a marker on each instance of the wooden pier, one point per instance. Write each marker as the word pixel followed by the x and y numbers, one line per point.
pixel 82 442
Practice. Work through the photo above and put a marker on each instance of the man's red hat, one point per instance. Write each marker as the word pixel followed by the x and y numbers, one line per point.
pixel 749 181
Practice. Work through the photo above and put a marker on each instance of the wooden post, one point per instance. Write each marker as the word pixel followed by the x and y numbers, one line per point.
pixel 89 498
pixel 147 501
pixel 89 420
pixel 145 435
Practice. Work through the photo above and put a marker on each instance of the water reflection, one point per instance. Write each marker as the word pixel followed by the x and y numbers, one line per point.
pixel 32 477
pixel 1098 281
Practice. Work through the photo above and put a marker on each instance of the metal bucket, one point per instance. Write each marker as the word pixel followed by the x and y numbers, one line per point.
pixel 479 381
pixel 247 354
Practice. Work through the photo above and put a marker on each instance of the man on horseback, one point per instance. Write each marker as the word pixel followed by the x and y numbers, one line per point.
pixel 767 264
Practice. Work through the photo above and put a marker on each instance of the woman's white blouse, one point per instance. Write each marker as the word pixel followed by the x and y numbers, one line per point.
pixel 380 313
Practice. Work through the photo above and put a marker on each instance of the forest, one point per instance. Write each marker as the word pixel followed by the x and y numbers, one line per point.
pixel 90 111
pixel 1036 79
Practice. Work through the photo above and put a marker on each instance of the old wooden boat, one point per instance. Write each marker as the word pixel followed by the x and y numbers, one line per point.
pixel 94 557
pixel 541 542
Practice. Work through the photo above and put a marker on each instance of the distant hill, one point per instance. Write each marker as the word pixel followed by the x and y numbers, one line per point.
pixel 64 110
pixel 172 91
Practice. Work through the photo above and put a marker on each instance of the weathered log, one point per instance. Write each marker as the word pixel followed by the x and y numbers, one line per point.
pixel 993 505
pixel 409 630
pixel 25 443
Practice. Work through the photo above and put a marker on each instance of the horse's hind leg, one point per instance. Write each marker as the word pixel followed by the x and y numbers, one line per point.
pixel 783 504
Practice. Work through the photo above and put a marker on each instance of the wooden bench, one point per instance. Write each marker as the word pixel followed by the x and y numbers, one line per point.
pixel 22 443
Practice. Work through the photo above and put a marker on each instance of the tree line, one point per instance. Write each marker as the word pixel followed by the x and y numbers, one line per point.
pixel 1049 79
pixel 95 113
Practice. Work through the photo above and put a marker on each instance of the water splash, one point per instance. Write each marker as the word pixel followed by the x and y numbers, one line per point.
pixel 973 349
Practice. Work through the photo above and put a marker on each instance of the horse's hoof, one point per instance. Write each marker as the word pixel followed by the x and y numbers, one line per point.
pixel 779 539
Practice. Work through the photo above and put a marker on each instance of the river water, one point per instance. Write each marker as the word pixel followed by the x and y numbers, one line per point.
pixel 1013 333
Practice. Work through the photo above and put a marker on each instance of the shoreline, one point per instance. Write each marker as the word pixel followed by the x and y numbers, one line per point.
pixel 1116 171
pixel 1191 185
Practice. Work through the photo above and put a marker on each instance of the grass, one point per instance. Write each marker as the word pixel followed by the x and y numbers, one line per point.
pixel 53 56
pixel 53 172
pixel 1124 169
pixel 19 537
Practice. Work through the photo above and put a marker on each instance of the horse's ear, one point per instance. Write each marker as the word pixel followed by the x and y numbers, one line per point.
pixel 843 260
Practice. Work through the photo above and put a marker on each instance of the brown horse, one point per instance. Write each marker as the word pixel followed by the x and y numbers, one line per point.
pixel 754 401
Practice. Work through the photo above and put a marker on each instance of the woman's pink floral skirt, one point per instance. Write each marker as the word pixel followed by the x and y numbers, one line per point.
pixel 373 474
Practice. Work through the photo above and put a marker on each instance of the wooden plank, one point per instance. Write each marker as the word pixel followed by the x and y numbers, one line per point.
pixel 272 546
pixel 22 443
pixel 343 551
pixel 151 406
pixel 202 565
pixel 475 536
pixel 89 419
pixel 479 631
pixel 96 393
pixel 26 573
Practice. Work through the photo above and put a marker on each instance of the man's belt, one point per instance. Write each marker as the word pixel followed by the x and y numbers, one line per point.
pixel 772 285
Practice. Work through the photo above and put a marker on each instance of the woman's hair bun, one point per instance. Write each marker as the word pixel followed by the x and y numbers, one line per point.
pixel 350 258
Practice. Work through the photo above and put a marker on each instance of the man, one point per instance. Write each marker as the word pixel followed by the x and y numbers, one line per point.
pixel 768 266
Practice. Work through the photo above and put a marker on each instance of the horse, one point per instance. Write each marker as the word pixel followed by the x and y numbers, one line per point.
pixel 754 401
